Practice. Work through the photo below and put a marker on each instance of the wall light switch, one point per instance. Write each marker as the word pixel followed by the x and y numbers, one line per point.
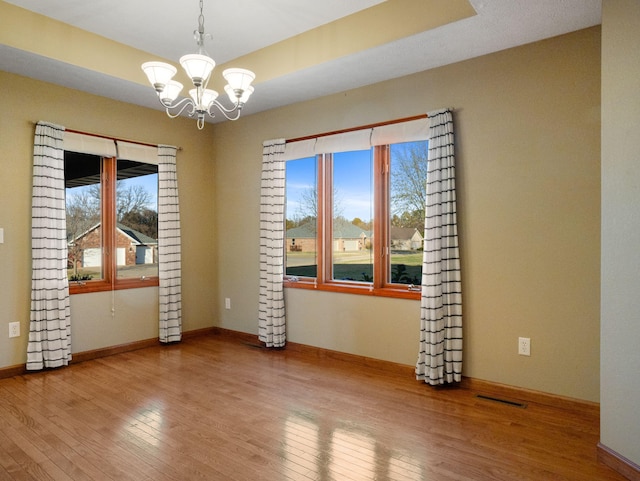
pixel 1 235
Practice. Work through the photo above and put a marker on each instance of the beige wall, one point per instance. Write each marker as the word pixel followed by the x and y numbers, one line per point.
pixel 528 153
pixel 620 353
pixel 528 148
pixel 135 312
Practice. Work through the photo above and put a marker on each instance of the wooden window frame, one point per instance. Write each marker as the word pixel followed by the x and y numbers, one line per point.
pixel 381 231
pixel 109 281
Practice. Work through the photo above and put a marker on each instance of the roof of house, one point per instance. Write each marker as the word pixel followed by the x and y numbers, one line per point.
pixel 341 229
pixel 136 236
pixel 347 230
pixel 304 231
pixel 403 233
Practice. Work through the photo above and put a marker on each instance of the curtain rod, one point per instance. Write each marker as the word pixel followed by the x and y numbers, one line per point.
pixel 109 137
pixel 362 127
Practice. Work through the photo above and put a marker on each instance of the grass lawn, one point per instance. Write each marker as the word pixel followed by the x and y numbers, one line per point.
pixel 406 268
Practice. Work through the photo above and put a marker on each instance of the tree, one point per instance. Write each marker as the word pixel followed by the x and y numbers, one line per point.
pixel 83 211
pixel 408 185
pixel 308 205
pixel 131 199
pixel 362 224
pixel 291 223
pixel 143 220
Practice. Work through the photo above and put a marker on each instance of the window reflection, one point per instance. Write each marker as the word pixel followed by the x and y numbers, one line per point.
pixel 301 447
pixel 146 424
pixel 352 456
pixel 314 450
pixel 405 469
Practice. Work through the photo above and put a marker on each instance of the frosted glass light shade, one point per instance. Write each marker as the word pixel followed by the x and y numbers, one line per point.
pixel 238 78
pixel 208 96
pixel 234 98
pixel 246 94
pixel 170 92
pixel 159 73
pixel 198 67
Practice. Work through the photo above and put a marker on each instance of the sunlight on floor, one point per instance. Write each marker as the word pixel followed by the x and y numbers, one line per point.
pixel 146 425
pixel 316 451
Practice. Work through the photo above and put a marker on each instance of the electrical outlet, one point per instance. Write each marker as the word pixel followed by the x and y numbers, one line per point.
pixel 14 329
pixel 524 346
pixel 227 303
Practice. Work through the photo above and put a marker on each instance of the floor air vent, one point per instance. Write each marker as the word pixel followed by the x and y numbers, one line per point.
pixel 507 402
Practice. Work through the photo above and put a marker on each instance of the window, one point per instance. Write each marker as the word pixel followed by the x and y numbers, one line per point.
pixel 136 220
pixel 83 202
pixel 112 222
pixel 351 206
pixel 302 217
pixel 407 198
pixel 355 216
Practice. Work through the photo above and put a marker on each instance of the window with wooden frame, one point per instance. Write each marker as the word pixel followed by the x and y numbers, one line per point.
pixel 112 216
pixel 355 210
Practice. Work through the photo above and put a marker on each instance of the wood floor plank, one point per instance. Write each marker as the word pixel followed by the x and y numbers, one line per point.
pixel 217 408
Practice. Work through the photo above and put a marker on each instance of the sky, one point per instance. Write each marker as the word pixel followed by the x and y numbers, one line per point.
pixel 150 184
pixel 352 179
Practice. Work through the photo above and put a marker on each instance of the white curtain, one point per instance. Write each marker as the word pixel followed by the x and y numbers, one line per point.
pixel 271 315
pixel 169 262
pixel 49 342
pixel 440 354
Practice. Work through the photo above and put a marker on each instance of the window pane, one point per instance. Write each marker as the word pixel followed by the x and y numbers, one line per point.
pixel 136 220
pixel 408 196
pixel 301 217
pixel 83 192
pixel 352 216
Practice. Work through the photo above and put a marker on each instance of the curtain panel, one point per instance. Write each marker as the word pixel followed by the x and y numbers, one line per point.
pixel 440 353
pixel 169 250
pixel 49 343
pixel 271 312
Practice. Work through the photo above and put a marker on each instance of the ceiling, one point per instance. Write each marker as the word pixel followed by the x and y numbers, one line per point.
pixel 299 49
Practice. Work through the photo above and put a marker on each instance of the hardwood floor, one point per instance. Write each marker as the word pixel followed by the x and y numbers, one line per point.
pixel 216 408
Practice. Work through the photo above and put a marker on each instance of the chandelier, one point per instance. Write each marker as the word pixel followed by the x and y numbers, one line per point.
pixel 198 67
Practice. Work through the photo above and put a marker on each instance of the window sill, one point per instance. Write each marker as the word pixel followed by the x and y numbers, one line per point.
pixel 358 289
pixel 104 286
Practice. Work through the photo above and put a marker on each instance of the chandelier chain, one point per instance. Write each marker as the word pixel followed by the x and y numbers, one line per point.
pixel 199 34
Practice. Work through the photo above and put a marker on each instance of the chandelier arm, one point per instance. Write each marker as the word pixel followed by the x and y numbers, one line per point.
pixel 224 111
pixel 183 104
pixel 236 107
